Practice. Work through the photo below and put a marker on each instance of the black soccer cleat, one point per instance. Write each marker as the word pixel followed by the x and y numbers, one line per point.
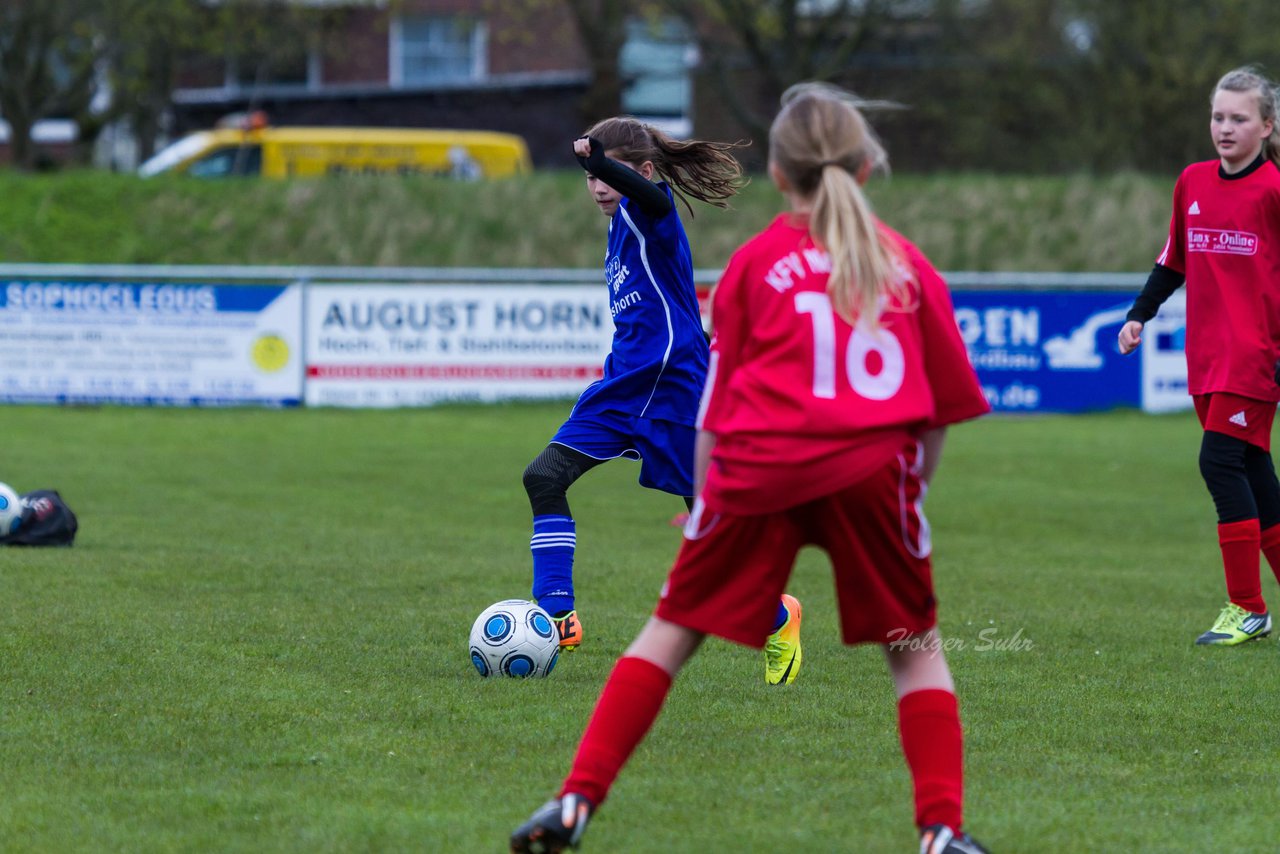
pixel 556 826
pixel 940 839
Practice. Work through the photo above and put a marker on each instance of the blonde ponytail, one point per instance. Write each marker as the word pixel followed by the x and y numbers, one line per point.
pixel 862 266
pixel 821 143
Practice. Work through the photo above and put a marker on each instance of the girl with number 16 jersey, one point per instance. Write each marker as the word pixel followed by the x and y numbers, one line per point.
pixel 835 368
pixel 801 402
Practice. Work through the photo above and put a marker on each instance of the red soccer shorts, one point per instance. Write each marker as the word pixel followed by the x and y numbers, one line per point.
pixel 1242 417
pixel 731 569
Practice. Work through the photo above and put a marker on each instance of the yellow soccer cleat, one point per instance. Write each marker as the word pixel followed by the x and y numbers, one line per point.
pixel 1236 625
pixel 782 648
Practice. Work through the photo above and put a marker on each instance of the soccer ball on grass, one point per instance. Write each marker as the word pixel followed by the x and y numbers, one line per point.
pixel 514 637
pixel 10 510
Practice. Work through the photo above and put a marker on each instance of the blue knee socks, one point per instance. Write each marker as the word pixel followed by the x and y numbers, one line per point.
pixel 552 545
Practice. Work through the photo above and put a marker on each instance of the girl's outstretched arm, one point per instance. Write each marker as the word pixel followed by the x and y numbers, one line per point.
pixel 648 196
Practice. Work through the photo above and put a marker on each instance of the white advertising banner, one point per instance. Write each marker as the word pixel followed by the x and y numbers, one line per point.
pixel 150 343
pixel 1164 358
pixel 372 345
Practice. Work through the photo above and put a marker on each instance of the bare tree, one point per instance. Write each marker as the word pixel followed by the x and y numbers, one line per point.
pixel 601 28
pixel 772 44
pixel 147 40
pixel 601 25
pixel 48 65
pixel 152 40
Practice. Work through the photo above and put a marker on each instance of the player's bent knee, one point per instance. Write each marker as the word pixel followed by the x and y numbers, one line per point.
pixel 547 479
pixel 543 490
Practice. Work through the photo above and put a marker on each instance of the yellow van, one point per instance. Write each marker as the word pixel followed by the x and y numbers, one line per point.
pixel 289 152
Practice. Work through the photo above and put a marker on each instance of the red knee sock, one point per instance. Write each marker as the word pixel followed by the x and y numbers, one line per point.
pixel 1240 542
pixel 628 706
pixel 932 741
pixel 1271 548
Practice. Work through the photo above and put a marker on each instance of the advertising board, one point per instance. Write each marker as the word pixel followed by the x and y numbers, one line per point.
pixel 400 342
pixel 1049 351
pixel 372 345
pixel 150 343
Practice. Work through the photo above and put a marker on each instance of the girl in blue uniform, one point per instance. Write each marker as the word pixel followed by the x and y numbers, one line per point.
pixel 645 405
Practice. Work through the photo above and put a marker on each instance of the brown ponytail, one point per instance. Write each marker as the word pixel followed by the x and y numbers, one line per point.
pixel 707 171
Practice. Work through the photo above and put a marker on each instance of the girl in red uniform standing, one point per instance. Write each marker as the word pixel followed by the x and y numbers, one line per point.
pixel 835 368
pixel 1224 242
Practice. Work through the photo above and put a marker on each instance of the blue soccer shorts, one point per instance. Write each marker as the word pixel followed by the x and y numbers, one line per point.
pixel 664 448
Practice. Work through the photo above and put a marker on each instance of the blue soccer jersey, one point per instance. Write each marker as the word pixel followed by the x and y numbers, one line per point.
pixel 658 362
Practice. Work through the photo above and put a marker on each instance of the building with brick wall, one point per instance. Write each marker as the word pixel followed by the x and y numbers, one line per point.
pixel 516 67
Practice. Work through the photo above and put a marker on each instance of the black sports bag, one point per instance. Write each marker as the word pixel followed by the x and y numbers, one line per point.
pixel 46 521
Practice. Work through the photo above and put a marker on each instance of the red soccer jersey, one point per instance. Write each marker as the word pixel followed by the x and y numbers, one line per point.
pixel 1225 237
pixel 800 403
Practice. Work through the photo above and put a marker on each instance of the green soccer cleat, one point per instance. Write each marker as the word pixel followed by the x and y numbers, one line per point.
pixel 782 648
pixel 1236 625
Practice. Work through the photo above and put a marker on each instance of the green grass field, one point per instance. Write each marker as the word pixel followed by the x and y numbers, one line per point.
pixel 258 643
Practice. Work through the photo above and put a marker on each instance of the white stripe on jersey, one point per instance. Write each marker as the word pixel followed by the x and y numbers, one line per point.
pixel 1164 253
pixel 693 526
pixel 923 545
pixel 671 335
pixel 712 364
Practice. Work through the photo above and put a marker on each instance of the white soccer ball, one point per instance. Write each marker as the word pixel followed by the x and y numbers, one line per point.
pixel 514 637
pixel 10 510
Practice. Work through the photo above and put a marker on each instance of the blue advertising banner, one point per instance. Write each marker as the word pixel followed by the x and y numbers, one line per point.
pixel 1038 351
pixel 1037 346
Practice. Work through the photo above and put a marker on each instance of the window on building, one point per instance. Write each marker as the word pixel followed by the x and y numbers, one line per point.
pixel 656 63
pixel 428 49
pixel 292 60
pixel 282 72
